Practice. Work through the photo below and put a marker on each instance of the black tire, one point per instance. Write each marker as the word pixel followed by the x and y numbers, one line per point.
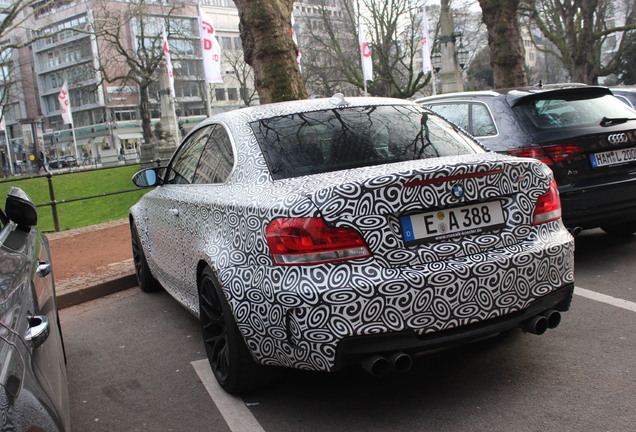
pixel 147 282
pixel 620 230
pixel 232 364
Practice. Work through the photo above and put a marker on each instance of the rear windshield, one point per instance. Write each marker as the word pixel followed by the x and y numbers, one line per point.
pixel 571 111
pixel 345 138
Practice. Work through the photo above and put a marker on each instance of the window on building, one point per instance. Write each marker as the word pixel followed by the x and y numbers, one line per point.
pixel 219 94
pixel 220 3
pixel 125 114
pixel 232 94
pixel 187 88
pixel 226 42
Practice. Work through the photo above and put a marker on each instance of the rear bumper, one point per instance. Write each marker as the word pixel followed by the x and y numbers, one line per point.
pixel 353 349
pixel 301 316
pixel 594 205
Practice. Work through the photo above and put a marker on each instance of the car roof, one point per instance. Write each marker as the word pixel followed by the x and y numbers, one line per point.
pixel 623 89
pixel 516 94
pixel 260 112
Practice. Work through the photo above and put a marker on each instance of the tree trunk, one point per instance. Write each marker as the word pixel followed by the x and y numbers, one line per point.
pixel 507 55
pixel 585 48
pixel 268 47
pixel 144 112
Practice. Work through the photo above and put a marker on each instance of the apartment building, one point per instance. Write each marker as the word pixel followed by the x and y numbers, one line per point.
pixel 106 116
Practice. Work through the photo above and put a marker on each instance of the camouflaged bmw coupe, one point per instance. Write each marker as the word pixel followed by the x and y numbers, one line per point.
pixel 322 233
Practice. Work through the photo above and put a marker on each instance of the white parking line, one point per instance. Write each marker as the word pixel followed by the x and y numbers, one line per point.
pixel 237 416
pixel 603 298
pixel 240 419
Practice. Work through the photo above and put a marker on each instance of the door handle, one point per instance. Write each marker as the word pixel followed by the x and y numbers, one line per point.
pixel 38 330
pixel 44 268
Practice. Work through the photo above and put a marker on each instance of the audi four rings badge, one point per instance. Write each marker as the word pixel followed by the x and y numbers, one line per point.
pixel 617 138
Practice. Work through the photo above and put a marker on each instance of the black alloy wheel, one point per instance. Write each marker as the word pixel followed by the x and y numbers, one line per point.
pixel 232 364
pixel 147 282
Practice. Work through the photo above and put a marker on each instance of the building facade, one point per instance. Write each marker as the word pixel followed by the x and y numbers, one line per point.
pixel 106 115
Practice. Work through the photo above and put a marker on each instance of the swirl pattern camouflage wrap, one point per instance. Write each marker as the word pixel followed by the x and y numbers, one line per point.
pixel 296 316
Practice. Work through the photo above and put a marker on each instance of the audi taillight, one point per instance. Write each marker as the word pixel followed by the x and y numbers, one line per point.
pixel 301 241
pixel 548 207
pixel 547 154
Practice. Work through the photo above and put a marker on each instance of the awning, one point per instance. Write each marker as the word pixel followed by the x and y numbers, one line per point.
pixel 126 136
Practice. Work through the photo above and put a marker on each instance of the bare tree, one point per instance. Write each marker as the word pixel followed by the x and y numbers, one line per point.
pixel 14 16
pixel 580 29
pixel 331 51
pixel 268 47
pixel 507 55
pixel 131 46
pixel 243 75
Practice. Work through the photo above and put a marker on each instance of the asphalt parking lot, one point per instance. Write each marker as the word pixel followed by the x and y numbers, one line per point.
pixel 136 362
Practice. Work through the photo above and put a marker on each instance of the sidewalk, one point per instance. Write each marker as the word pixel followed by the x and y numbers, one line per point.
pixel 92 262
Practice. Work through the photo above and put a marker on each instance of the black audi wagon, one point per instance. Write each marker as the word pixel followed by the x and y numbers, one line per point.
pixel 585 134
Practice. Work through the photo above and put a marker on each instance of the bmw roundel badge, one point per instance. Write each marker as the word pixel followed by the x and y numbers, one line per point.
pixel 458 192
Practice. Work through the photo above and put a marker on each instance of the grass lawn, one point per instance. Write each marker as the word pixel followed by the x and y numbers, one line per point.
pixel 77 185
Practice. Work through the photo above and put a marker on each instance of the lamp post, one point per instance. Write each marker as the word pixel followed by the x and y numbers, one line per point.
pixel 451 75
pixel 462 54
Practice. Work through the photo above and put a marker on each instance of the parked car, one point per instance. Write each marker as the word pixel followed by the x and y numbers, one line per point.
pixel 33 385
pixel 63 162
pixel 626 94
pixel 583 133
pixel 323 233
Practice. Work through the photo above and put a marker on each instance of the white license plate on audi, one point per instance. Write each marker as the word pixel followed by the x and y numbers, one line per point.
pixel 614 157
pixel 450 223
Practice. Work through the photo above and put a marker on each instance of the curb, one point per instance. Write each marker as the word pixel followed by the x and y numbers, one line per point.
pixel 68 298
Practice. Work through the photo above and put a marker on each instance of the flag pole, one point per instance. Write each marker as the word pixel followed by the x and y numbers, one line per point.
pixel 74 140
pixel 6 141
pixel 208 102
pixel 3 128
pixel 433 82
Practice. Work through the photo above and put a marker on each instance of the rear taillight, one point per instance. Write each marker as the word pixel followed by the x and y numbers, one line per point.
pixel 547 154
pixel 548 207
pixel 298 241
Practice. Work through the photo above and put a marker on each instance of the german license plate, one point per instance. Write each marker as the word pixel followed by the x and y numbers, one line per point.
pixel 450 223
pixel 613 157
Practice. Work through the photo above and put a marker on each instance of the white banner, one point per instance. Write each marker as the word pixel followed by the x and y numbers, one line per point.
pixel 166 51
pixel 426 46
pixel 365 54
pixel 65 105
pixel 3 124
pixel 211 50
pixel 295 39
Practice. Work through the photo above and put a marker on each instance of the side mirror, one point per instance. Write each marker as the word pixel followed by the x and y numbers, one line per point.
pixel 147 177
pixel 21 209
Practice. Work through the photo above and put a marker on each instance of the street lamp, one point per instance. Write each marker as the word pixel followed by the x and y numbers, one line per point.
pixel 462 54
pixel 436 60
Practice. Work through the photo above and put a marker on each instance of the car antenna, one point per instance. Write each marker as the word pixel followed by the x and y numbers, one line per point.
pixel 338 99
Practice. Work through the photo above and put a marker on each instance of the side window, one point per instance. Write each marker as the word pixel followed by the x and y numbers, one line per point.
pixel 217 159
pixel 455 112
pixel 483 124
pixel 184 163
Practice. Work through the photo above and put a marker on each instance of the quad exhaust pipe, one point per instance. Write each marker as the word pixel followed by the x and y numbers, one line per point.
pixel 575 231
pixel 400 362
pixel 539 324
pixel 380 365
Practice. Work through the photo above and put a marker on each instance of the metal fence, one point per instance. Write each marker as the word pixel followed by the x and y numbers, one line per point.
pixel 53 202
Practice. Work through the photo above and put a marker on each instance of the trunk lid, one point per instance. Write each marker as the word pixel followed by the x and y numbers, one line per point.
pixel 425 211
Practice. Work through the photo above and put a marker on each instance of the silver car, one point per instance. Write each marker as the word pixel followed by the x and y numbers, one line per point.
pixel 328 232
pixel 33 381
